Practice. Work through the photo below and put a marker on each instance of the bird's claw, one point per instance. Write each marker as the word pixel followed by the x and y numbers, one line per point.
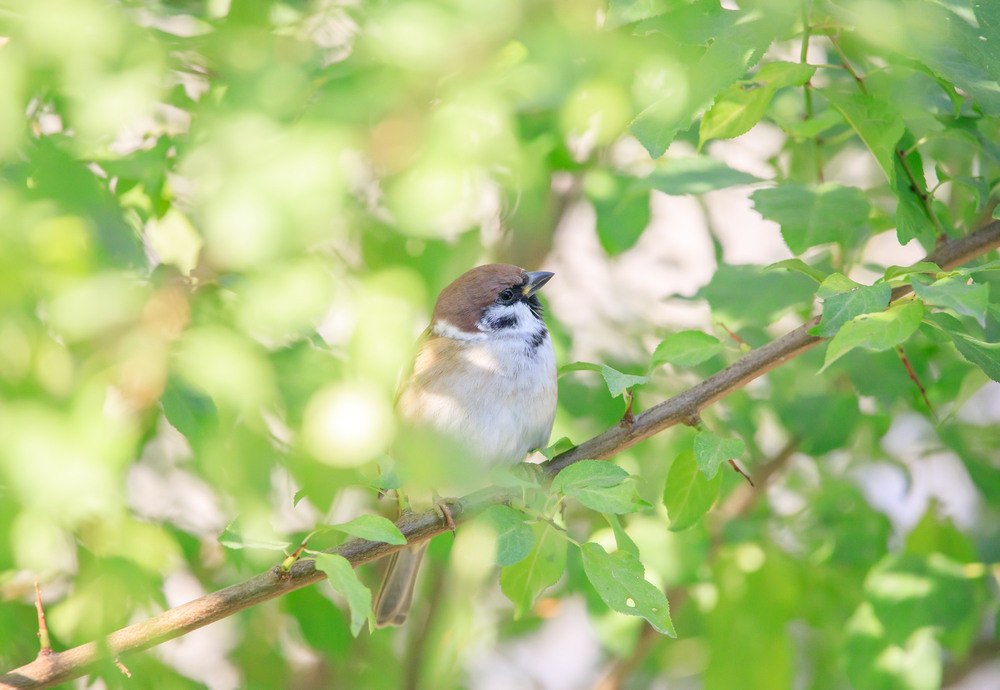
pixel 443 510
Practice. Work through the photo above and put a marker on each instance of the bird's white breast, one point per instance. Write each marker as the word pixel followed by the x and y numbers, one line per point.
pixel 494 394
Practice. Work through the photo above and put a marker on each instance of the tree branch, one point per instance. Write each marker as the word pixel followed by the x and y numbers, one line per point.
pixel 59 667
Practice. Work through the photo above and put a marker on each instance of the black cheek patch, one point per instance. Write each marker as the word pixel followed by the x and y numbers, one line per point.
pixel 501 322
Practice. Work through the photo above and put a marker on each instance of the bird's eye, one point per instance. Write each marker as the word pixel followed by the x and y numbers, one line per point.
pixel 506 295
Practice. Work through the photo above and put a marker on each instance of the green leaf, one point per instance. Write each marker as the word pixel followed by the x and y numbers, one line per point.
pixel 841 307
pixel 621 12
pixel 616 381
pixel 747 295
pixel 344 579
pixel 688 494
pixel 834 284
pixel 588 473
pixel 735 112
pixel 735 40
pixel 554 449
pixel 955 293
pixel 524 581
pixel 695 175
pixel 189 411
pixel 894 272
pixel 814 214
pixel 984 355
pixel 710 451
pixel 622 539
pixel 874 120
pixel 742 105
pixel 912 219
pixel 622 209
pixel 909 592
pixel 800 266
pixel 872 662
pixel 620 580
pixel 515 539
pixel 599 485
pixel 233 538
pixel 372 528
pixel 878 331
pixel 803 130
pixel 685 349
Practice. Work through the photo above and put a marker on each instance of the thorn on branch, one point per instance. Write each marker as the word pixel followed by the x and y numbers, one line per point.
pixel 43 628
pixel 741 472
pixel 628 419
pixel 122 668
pixel 692 419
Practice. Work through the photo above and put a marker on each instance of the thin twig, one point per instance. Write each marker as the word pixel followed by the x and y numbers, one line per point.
pixel 913 377
pixel 832 35
pixel 45 645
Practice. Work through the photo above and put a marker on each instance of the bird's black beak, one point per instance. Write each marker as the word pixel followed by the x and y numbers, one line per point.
pixel 536 279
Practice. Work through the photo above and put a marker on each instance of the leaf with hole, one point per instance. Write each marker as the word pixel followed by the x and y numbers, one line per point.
pixel 620 580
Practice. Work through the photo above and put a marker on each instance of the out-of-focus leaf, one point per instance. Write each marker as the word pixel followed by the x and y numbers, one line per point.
pixel 190 412
pixel 689 494
pixel 622 210
pixel 811 215
pixel 515 539
pixel 345 580
pixel 233 538
pixel 621 581
pixel 524 581
pixel 747 295
pixel 800 266
pixel 694 175
pixel 621 12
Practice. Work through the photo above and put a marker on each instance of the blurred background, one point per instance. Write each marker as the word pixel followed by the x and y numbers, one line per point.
pixel 225 224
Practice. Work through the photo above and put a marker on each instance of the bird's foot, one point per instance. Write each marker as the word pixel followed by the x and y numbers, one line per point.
pixel 443 510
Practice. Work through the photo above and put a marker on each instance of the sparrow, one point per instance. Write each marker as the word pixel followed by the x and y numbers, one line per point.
pixel 484 378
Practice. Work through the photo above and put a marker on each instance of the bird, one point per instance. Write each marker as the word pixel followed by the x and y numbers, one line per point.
pixel 484 380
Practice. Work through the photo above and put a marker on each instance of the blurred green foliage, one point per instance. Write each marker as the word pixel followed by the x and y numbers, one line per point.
pixel 224 224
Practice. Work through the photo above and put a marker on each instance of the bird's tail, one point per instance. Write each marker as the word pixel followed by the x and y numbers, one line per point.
pixel 392 605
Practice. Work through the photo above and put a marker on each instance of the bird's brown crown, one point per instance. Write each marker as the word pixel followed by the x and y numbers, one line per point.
pixel 462 302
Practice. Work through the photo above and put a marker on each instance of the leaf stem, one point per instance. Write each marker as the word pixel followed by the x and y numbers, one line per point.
pixel 832 35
